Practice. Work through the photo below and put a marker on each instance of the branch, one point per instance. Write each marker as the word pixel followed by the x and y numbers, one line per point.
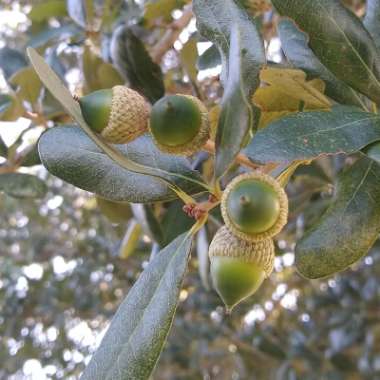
pixel 172 34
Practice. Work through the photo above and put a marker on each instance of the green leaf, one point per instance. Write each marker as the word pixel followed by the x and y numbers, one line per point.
pixel 227 24
pixel 350 226
pixel 189 57
pixel 21 185
pixel 294 43
pixel 11 61
pixel 339 39
pixel 97 73
pixel 135 64
pixel 209 59
pixel 10 107
pixel 175 221
pixel 52 35
pixel 307 135
pixel 30 157
pixel 137 334
pixel 27 84
pixel 68 153
pixel 47 9
pixel 372 20
pixel 5 102
pixel 60 92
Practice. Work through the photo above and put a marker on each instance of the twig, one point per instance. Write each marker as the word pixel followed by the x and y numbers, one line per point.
pixel 172 34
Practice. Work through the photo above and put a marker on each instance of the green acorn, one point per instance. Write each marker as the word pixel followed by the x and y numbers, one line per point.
pixel 238 267
pixel 119 114
pixel 254 206
pixel 179 124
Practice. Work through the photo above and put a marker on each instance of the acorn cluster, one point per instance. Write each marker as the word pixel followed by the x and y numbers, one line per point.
pixel 254 206
pixel 179 124
pixel 255 209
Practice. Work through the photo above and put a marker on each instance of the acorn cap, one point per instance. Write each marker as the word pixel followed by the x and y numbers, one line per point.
pixel 238 268
pixel 281 213
pixel 169 117
pixel 226 244
pixel 128 118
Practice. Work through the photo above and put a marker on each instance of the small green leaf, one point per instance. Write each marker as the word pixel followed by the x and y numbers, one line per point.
pixel 307 135
pixel 189 57
pixel 21 185
pixel 27 84
pixel 350 226
pixel 47 9
pixel 135 64
pixel 227 24
pixel 30 157
pixel 340 41
pixel 209 59
pixel 138 331
pixel 51 35
pixel 5 103
pixel 175 221
pixel 68 153
pixel 10 107
pixel 372 20
pixel 97 73
pixel 11 61
pixel 295 46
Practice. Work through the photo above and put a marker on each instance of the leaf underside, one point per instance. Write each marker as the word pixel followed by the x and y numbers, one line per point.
pixel 227 24
pixel 138 331
pixel 350 226
pixel 68 153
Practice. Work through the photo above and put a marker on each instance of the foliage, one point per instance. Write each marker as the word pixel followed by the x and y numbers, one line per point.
pixel 306 116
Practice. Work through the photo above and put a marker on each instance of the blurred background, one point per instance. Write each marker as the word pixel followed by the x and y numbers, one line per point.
pixel 67 259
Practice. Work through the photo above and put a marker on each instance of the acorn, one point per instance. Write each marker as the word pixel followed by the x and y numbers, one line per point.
pixel 254 206
pixel 119 114
pixel 238 267
pixel 179 124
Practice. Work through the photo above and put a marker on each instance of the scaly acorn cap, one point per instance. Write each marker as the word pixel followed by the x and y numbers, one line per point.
pixel 254 206
pixel 119 114
pixel 238 268
pixel 179 124
pixel 226 244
